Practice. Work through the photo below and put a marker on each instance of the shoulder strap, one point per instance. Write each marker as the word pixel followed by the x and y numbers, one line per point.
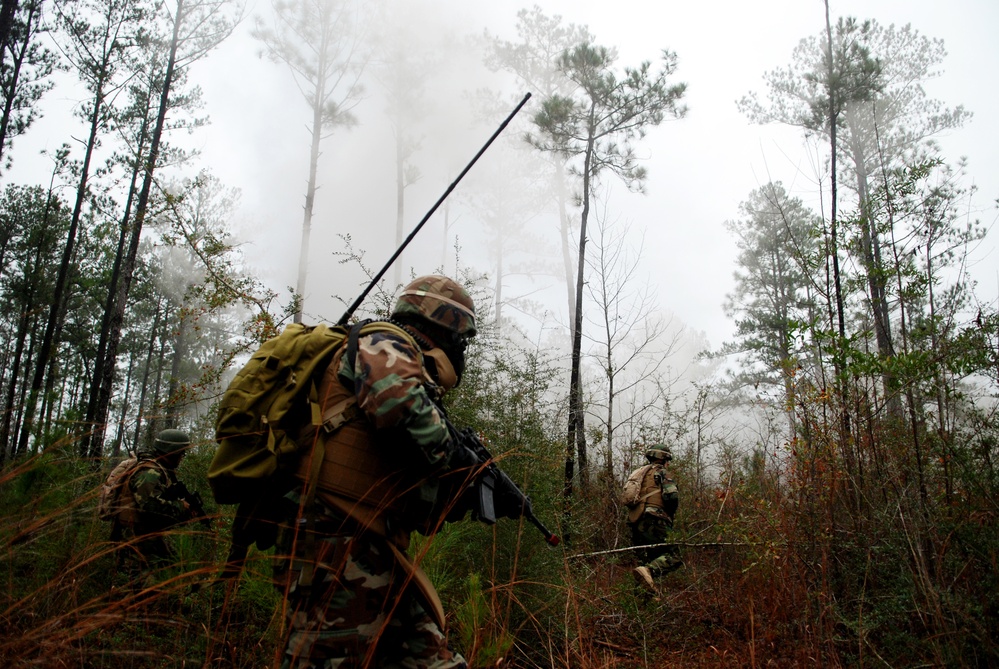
pixel 352 336
pixel 368 326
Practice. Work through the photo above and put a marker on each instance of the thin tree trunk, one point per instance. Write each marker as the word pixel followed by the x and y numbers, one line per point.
pixel 576 437
pixel 8 414
pixel 100 360
pixel 179 351
pixel 152 424
pixel 833 225
pixel 18 60
pixel 310 192
pixel 60 292
pixel 140 413
pixel 19 426
pixel 123 417
pixel 128 266
pixel 564 233
pixel 8 8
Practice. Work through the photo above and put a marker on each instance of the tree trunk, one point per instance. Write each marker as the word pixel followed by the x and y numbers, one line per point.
pixel 576 437
pixel 141 409
pixel 59 294
pixel 179 351
pixel 8 8
pixel 564 233
pixel 8 414
pixel 128 266
pixel 152 424
pixel 119 436
pixel 310 194
pixel 18 60
pixel 874 269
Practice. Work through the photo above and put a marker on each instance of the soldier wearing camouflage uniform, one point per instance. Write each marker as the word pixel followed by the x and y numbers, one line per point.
pixel 161 500
pixel 652 499
pixel 354 599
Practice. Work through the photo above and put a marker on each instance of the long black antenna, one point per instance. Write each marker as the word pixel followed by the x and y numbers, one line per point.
pixel 360 298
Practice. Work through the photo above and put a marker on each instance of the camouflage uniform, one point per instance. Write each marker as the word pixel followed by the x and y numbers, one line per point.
pixel 160 506
pixel 353 597
pixel 651 519
pixel 158 503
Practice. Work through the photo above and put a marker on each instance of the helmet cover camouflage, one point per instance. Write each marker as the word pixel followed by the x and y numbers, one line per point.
pixel 659 452
pixel 171 441
pixel 439 300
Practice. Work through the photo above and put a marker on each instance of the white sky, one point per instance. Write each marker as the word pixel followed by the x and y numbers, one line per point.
pixel 700 168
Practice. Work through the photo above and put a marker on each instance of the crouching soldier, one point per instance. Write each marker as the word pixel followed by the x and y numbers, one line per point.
pixel 147 499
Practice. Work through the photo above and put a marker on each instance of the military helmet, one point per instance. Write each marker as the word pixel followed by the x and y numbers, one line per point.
pixel 659 452
pixel 170 441
pixel 438 300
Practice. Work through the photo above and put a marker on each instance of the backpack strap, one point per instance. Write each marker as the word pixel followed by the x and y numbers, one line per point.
pixel 330 420
pixel 351 351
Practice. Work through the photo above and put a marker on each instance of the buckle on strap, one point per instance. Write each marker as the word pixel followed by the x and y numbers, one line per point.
pixel 340 414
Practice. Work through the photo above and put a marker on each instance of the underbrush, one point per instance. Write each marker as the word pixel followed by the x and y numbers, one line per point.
pixel 758 589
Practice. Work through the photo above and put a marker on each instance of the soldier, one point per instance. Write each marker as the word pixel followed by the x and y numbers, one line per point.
pixel 354 599
pixel 151 500
pixel 652 499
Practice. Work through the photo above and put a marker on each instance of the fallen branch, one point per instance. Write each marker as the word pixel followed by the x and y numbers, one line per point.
pixel 713 544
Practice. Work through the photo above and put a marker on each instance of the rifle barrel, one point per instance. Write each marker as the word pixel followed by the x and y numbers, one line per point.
pixel 550 538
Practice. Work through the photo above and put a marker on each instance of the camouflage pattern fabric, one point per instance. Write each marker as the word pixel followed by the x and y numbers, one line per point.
pixel 651 530
pixel 159 504
pixel 439 300
pixel 395 392
pixel 158 510
pixel 360 610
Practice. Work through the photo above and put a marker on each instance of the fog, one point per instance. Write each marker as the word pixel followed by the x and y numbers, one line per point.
pixel 700 168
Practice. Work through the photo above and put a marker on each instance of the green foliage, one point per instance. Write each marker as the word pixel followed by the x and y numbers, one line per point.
pixel 67 599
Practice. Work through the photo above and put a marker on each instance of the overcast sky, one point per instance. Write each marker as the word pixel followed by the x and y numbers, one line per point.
pixel 700 168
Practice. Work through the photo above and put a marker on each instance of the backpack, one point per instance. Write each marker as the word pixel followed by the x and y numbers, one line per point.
pixel 267 404
pixel 108 504
pixel 117 501
pixel 631 495
pixel 270 397
pixel 263 410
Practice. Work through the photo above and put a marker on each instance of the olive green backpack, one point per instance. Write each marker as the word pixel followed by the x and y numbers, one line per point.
pixel 268 402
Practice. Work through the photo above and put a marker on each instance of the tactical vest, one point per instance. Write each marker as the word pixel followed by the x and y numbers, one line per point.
pixel 651 497
pixel 355 467
pixel 359 477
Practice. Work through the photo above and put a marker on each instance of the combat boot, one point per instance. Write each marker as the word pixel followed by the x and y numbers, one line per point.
pixel 643 576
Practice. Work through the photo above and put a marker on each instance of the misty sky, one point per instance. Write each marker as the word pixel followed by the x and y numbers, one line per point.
pixel 700 168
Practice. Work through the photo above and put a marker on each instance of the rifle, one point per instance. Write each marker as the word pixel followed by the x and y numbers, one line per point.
pixel 494 495
pixel 371 284
pixel 193 500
